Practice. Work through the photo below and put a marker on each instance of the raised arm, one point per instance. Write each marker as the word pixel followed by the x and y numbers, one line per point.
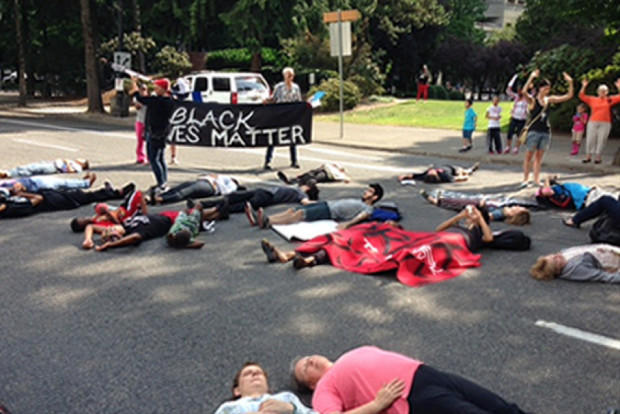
pixel 568 95
pixel 509 90
pixel 528 84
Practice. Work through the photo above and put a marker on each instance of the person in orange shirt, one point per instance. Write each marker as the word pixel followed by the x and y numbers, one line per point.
pixel 599 126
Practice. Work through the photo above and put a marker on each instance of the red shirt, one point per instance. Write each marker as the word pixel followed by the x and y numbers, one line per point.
pixel 601 107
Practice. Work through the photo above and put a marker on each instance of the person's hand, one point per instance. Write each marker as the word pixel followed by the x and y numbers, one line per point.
pixel 276 407
pixel 584 82
pixel 535 73
pixel 342 226
pixel 567 77
pixel 617 83
pixel 102 247
pixel 388 394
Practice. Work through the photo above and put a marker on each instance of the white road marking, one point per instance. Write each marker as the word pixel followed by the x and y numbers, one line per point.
pixel 41 144
pixel 579 334
pixel 344 153
pixel 254 151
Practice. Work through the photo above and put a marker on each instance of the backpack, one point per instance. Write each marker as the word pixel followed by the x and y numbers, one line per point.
pixel 605 230
pixel 386 211
pixel 510 240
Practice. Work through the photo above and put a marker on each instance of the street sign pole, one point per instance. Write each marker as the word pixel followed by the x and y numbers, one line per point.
pixel 340 73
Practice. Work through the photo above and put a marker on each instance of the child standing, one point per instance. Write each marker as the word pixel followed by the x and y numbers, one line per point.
pixel 494 114
pixel 469 126
pixel 580 119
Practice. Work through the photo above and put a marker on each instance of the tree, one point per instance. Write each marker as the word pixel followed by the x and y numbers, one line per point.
pixel 90 59
pixel 21 54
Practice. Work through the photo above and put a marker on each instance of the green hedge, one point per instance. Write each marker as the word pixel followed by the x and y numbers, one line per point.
pixel 331 100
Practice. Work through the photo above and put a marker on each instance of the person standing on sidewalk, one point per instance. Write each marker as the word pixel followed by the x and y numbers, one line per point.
pixel 424 81
pixel 494 114
pixel 539 132
pixel 469 126
pixel 286 91
pixel 518 116
pixel 580 120
pixel 140 119
pixel 599 127
pixel 157 123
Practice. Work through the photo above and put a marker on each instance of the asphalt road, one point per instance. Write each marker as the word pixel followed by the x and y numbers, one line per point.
pixel 152 330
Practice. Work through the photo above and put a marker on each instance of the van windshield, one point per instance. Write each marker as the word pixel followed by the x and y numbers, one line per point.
pixel 250 83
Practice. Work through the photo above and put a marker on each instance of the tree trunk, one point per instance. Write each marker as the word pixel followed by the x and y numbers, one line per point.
pixel 256 62
pixel 137 24
pixel 92 80
pixel 21 53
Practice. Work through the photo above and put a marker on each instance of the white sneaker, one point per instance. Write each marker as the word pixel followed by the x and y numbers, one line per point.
pixel 174 160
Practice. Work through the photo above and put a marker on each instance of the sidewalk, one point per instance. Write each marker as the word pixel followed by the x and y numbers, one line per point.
pixel 442 143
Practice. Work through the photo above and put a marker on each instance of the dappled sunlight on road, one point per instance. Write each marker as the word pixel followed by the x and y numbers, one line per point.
pixel 60 297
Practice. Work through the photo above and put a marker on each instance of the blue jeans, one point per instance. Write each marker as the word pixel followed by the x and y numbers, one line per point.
pixel 605 204
pixel 36 168
pixel 188 190
pixel 34 184
pixel 155 153
pixel 269 154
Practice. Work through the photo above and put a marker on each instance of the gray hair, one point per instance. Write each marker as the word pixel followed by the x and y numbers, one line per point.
pixel 298 385
pixel 602 87
pixel 287 70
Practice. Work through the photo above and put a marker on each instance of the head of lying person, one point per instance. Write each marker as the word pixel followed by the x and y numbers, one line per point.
pixel 179 239
pixel 78 224
pixel 250 381
pixel 516 215
pixel 113 233
pixel 548 267
pixel 306 371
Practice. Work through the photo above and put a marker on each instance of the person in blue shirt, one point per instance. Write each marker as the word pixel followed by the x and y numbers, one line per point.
pixel 469 126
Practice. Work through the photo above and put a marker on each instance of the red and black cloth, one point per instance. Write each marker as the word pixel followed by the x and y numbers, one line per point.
pixel 419 258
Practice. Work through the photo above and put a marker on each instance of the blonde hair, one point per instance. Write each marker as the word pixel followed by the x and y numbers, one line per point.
pixel 545 269
pixel 520 219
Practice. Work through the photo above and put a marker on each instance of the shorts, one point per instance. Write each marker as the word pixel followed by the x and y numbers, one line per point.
pixel 467 133
pixel 537 140
pixel 316 211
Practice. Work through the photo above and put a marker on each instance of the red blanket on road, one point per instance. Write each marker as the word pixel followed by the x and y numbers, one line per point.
pixel 420 258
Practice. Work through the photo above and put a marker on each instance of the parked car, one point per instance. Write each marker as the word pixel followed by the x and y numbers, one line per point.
pixel 229 88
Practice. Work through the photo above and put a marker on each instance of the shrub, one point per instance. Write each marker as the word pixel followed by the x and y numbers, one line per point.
pixel 561 116
pixel 172 63
pixel 366 86
pixel 437 92
pixel 331 100
pixel 455 95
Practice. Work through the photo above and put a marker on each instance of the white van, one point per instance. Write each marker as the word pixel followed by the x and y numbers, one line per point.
pixel 229 87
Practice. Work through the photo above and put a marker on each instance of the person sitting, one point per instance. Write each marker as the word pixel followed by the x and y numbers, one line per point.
pixel 249 200
pixel 58 166
pixel 478 234
pixel 510 210
pixel 326 173
pixel 371 380
pixel 592 262
pixel 604 205
pixel 442 174
pixel 207 185
pixel 348 211
pixel 568 195
pixel 19 203
pixel 250 394
pixel 35 184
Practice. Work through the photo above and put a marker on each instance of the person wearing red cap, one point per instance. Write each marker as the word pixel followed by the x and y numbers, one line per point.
pixel 157 123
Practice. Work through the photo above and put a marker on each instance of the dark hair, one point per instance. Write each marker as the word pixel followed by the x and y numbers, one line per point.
pixel 312 190
pixel 544 82
pixel 235 383
pixel 180 239
pixel 469 101
pixel 378 190
pixel 78 225
pixel 431 178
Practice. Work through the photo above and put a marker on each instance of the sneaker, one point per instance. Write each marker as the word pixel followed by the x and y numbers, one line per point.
pixel 408 182
pixel 163 188
pixel 525 184
pixel 507 150
pixel 424 193
pixel 208 226
pixel 282 177
pixel 463 149
pixel 475 167
pixel 250 213
pixel 267 167
pixel 128 188
pixel 515 151
pixel 174 160
pixel 295 165
pixel 491 153
pixel 107 185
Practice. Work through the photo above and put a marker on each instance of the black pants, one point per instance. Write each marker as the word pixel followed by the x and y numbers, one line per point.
pixel 436 392
pixel 515 127
pixel 188 189
pixel 258 198
pixel 495 137
pixel 605 204
pixel 318 174
pixel 54 200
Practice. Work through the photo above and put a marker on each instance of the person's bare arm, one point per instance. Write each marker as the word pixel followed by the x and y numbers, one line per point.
pixel 35 199
pixel 133 238
pixel 306 201
pixel 357 219
pixel 451 221
pixel 2 207
pixel 568 95
pixel 528 84
pixel 195 245
pixel 487 234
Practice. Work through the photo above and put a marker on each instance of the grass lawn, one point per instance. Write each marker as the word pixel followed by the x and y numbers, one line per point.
pixel 430 114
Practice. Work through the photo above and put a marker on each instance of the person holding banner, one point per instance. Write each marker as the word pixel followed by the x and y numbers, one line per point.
pixel 157 124
pixel 286 91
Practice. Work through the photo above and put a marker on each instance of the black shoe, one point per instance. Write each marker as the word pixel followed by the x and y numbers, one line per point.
pixel 128 188
pixel 269 250
pixel 267 167
pixel 190 204
pixel 295 165
pixel 282 177
pixel 222 209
